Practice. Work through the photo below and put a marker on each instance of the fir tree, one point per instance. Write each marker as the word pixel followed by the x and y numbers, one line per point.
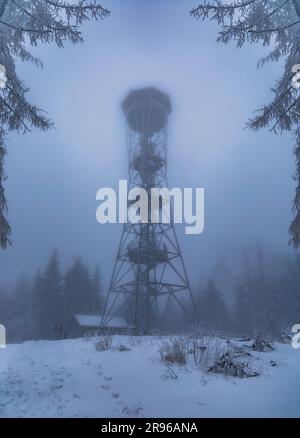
pixel 242 322
pixel 96 298
pixel 51 298
pixel 245 305
pixel 266 301
pixel 37 303
pixel 214 312
pixel 292 300
pixel 77 289
pixel 20 323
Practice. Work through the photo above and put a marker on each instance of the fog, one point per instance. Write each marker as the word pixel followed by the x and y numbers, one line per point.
pixel 53 177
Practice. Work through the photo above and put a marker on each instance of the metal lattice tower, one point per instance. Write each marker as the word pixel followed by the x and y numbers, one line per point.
pixel 149 277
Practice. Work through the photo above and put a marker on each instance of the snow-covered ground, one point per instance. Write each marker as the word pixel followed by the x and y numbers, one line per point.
pixel 71 379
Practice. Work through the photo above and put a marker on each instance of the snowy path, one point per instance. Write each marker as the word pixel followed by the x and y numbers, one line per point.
pixel 71 379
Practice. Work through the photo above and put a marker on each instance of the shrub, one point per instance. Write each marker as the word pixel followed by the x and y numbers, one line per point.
pixel 229 365
pixel 206 350
pixel 104 342
pixel 285 338
pixel 214 355
pixel 261 346
pixel 123 347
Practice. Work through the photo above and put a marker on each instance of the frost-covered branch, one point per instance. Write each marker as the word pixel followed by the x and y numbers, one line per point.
pixel 33 21
pixel 80 10
pixel 219 11
pixel 273 23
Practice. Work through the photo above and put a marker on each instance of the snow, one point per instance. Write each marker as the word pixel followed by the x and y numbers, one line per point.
pixel 71 379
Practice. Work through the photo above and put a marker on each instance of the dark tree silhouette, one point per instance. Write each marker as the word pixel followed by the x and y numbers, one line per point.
pixel 213 308
pixel 96 295
pixel 33 21
pixel 77 289
pixel 49 289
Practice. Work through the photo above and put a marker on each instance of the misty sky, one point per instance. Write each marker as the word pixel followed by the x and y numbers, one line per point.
pixel 54 177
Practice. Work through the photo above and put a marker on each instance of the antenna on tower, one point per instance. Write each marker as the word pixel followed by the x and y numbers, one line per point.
pixel 149 279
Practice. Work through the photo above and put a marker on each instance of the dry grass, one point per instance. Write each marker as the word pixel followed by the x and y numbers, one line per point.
pixel 174 350
pixel 209 353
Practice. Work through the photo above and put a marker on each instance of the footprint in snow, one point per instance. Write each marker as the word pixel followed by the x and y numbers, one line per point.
pixel 135 411
pixel 56 387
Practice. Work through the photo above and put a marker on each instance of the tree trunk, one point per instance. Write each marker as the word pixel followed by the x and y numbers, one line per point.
pixel 296 4
pixel 4 225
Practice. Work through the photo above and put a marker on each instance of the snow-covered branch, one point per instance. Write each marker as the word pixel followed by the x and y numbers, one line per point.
pixel 35 21
pixel 276 23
